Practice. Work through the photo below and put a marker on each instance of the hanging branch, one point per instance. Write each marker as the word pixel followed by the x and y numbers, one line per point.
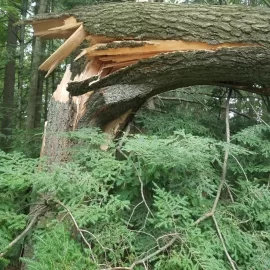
pixel 224 167
pixel 77 228
pixel 222 182
pixel 223 243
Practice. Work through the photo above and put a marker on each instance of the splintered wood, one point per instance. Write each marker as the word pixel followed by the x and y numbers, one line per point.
pixel 112 54
pixel 62 27
pixel 64 50
pixel 107 54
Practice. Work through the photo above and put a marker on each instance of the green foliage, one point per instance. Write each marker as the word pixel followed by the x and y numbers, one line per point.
pixel 176 178
pixel 16 175
pixel 57 250
pixel 129 207
pixel 256 139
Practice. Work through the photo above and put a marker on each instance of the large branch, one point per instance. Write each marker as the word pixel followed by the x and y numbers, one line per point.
pixel 137 50
pixel 246 66
pixel 210 24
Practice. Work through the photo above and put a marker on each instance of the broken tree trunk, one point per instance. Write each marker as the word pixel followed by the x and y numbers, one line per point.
pixel 137 50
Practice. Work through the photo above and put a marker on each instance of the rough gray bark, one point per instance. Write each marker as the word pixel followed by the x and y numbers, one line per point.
pixel 9 81
pixel 111 102
pixel 33 89
pixel 144 21
pixel 60 120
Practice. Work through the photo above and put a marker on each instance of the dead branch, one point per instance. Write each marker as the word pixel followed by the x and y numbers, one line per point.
pixel 222 182
pixel 224 167
pixel 196 102
pixel 31 224
pixel 223 243
pixel 146 258
pixel 140 180
pixel 77 228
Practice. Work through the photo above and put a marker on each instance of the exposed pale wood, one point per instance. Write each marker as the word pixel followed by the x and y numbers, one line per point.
pixel 58 29
pixel 44 25
pixel 154 46
pixel 120 64
pixel 70 20
pixel 43 142
pixel 80 102
pixel 61 94
pixel 114 127
pixel 64 50
pixel 63 34
pixel 104 72
pixel 55 28
pixel 92 68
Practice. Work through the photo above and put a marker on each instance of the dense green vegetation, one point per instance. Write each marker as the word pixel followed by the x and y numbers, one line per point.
pixel 143 194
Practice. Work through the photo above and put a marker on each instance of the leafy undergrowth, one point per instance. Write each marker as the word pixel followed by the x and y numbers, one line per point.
pixel 138 210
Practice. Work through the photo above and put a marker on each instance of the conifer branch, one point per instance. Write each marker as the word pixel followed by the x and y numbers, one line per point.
pixel 140 180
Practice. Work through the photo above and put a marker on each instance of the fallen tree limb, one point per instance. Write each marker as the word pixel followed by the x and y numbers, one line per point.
pixel 33 221
pixel 150 49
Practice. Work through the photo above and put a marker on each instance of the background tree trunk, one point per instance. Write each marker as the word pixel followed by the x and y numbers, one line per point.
pixel 24 7
pixel 9 82
pixel 33 89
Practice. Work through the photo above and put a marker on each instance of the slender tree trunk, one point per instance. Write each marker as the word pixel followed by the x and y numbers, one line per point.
pixel 33 89
pixel 24 6
pixel 38 113
pixel 9 82
pixel 46 99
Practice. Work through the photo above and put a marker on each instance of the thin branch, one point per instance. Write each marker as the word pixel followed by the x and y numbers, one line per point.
pixel 146 258
pixel 224 167
pixel 140 180
pixel 196 102
pixel 31 224
pixel 150 256
pixel 223 244
pixel 77 228
pixel 266 3
pixel 222 182
pixel 239 113
pixel 240 166
pixel 259 115
pixel 133 211
pixel 229 191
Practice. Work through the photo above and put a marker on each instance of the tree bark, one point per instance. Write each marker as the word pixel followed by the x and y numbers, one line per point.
pixel 24 6
pixel 146 21
pixel 9 82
